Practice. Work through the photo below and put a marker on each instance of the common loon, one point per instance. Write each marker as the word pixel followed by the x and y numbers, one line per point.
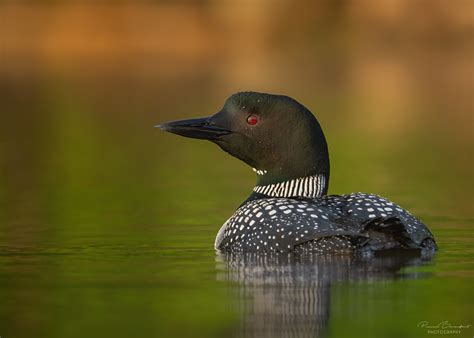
pixel 289 209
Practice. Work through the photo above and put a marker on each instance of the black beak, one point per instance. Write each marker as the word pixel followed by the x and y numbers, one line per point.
pixel 202 128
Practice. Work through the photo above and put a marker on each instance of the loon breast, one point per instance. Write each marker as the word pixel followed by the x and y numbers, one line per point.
pixel 337 223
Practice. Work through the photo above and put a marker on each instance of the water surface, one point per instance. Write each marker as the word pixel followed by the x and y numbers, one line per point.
pixel 108 229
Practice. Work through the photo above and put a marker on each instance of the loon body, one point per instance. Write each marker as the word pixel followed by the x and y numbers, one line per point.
pixel 289 209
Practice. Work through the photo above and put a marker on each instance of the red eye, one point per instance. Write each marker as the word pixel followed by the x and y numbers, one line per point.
pixel 252 120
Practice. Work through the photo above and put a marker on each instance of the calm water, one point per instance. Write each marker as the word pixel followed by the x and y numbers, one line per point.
pixel 107 229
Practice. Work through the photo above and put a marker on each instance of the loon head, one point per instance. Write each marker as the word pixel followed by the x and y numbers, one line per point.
pixel 274 134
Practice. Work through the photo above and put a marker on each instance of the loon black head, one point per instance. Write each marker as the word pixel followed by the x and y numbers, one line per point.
pixel 274 134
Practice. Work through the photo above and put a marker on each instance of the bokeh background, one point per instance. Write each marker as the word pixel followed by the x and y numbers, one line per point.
pixel 94 199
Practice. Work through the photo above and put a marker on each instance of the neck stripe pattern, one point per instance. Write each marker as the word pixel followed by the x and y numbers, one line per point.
pixel 309 186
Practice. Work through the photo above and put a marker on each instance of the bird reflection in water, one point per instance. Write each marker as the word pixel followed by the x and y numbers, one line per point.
pixel 288 295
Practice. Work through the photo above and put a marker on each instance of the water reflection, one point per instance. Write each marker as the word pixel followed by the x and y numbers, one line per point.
pixel 285 295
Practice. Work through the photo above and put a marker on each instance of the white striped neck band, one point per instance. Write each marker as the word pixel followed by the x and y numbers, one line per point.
pixel 309 186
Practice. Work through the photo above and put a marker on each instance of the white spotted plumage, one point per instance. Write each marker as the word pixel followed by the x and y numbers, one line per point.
pixel 324 223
